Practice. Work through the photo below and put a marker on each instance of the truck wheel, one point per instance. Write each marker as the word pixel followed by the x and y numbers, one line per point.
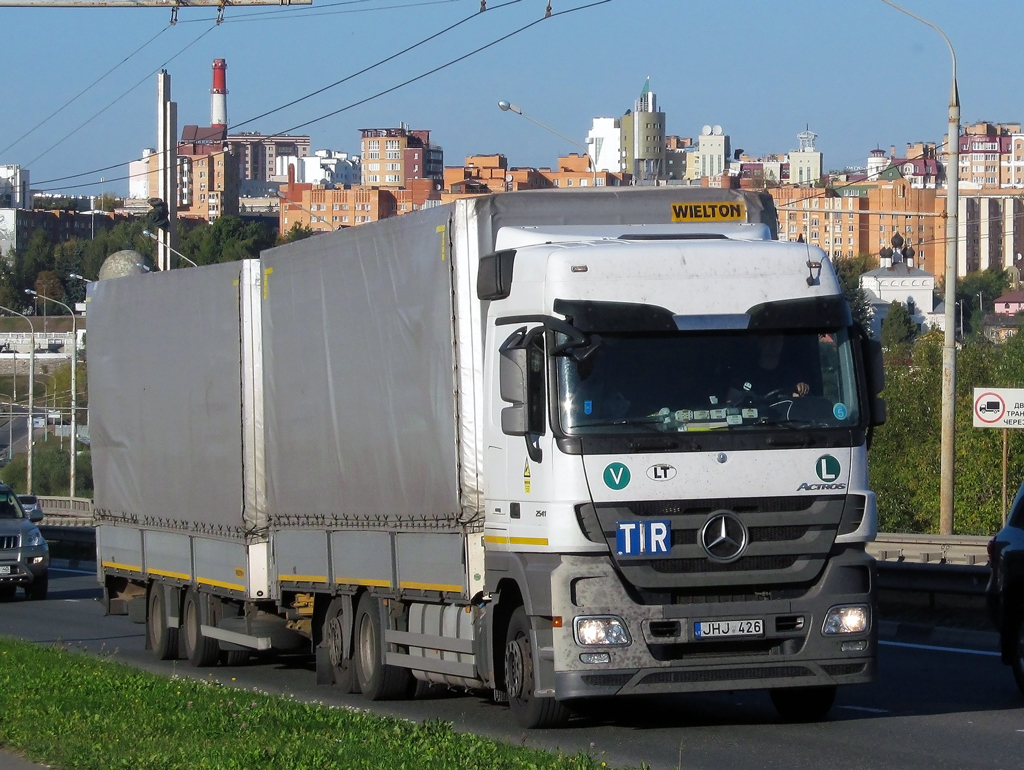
pixel 334 639
pixel 162 639
pixel 36 590
pixel 377 681
pixel 803 704
pixel 200 651
pixel 520 683
pixel 234 657
pixel 1017 661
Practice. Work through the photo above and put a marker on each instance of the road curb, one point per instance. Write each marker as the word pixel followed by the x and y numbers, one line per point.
pixel 937 636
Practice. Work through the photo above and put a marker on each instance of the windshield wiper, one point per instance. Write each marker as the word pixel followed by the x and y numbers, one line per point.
pixel 649 422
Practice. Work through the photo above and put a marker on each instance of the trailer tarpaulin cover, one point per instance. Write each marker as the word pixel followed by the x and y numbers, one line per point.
pixel 360 375
pixel 165 398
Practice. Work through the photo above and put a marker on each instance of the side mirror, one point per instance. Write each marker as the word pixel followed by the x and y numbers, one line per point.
pixel 874 366
pixel 36 516
pixel 512 386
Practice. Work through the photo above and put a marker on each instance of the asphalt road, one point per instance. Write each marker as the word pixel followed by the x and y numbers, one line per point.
pixel 931 708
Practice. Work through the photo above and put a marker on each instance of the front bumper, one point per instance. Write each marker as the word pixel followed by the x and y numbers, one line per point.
pixel 665 656
pixel 24 565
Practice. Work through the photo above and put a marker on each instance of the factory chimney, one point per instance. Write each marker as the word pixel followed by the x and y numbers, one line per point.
pixel 219 98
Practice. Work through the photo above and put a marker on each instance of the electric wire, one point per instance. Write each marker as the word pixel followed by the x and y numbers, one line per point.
pixel 85 90
pixel 343 109
pixel 363 71
pixel 446 65
pixel 308 12
pixel 119 98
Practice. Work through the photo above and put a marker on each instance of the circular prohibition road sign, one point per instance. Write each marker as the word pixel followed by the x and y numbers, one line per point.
pixel 989 407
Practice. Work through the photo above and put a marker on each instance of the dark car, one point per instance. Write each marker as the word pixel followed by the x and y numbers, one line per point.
pixel 24 554
pixel 1005 591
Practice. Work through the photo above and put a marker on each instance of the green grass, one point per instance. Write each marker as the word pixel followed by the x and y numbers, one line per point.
pixel 73 710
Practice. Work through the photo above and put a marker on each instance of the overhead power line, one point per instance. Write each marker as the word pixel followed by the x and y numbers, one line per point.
pixel 81 93
pixel 119 98
pixel 348 107
pixel 363 71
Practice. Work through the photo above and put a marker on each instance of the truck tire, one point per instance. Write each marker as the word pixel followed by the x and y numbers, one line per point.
pixel 335 628
pixel 234 657
pixel 36 590
pixel 1017 659
pixel 377 681
pixel 803 704
pixel 200 651
pixel 162 639
pixel 529 711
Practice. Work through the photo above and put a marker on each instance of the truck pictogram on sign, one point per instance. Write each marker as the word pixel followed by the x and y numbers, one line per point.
pixel 989 407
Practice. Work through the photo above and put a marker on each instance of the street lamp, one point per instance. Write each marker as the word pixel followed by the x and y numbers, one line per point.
pixel 31 393
pixel 156 238
pixel 74 390
pixel 947 451
pixel 78 277
pixel 509 107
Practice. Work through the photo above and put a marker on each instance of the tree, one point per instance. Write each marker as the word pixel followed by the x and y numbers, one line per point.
pixel 898 328
pixel 849 271
pixel 297 232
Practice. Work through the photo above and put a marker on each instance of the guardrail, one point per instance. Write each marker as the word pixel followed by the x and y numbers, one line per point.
pixel 934 564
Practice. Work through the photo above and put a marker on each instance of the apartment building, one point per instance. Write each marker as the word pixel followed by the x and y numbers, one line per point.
pixel 323 209
pixel 642 139
pixel 393 156
pixel 256 154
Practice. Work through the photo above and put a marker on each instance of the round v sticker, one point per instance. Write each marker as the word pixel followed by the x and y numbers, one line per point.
pixel 616 476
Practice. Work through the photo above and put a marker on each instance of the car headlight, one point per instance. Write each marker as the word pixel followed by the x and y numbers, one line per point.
pixel 847 619
pixel 601 629
pixel 34 537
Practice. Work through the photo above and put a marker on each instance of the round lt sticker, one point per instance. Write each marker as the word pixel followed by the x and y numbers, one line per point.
pixel 616 476
pixel 827 467
pixel 839 410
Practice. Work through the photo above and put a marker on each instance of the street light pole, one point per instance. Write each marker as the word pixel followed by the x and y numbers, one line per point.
pixel 947 450
pixel 509 107
pixel 156 238
pixel 74 389
pixel 31 393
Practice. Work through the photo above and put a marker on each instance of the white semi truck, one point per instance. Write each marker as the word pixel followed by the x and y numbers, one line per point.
pixel 558 445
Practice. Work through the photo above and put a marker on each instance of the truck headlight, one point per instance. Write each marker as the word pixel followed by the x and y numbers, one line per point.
pixel 601 629
pixel 846 619
pixel 34 537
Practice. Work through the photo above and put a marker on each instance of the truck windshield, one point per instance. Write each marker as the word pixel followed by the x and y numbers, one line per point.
pixel 702 381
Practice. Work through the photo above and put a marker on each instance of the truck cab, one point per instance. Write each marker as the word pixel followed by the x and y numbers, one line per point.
pixel 677 486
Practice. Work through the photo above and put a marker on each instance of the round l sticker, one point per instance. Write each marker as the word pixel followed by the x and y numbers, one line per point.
pixel 616 476
pixel 827 468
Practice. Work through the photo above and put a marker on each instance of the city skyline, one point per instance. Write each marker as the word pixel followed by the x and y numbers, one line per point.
pixel 764 73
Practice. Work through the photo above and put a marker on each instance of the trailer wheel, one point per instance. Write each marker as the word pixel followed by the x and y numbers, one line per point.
pixel 520 683
pixel 200 651
pixel 377 681
pixel 334 638
pixel 162 639
pixel 803 704
pixel 234 657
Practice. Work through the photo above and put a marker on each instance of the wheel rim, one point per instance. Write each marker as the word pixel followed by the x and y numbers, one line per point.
pixel 515 667
pixel 156 611
pixel 367 648
pixel 191 627
pixel 335 642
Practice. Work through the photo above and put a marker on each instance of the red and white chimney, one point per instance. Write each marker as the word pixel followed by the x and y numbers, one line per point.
pixel 219 98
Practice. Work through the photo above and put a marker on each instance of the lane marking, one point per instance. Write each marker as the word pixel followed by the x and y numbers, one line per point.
pixel 865 709
pixel 74 571
pixel 942 649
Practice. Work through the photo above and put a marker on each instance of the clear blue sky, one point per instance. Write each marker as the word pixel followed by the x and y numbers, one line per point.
pixel 859 73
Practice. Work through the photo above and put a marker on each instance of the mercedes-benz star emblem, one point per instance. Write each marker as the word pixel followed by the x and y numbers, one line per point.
pixel 724 537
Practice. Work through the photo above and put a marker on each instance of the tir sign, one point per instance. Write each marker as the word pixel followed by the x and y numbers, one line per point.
pixel 642 538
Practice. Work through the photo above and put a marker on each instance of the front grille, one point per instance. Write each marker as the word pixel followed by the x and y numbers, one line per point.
pixel 725 675
pixel 8 542
pixel 844 669
pixel 789 539
pixel 606 680
pixel 697 566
